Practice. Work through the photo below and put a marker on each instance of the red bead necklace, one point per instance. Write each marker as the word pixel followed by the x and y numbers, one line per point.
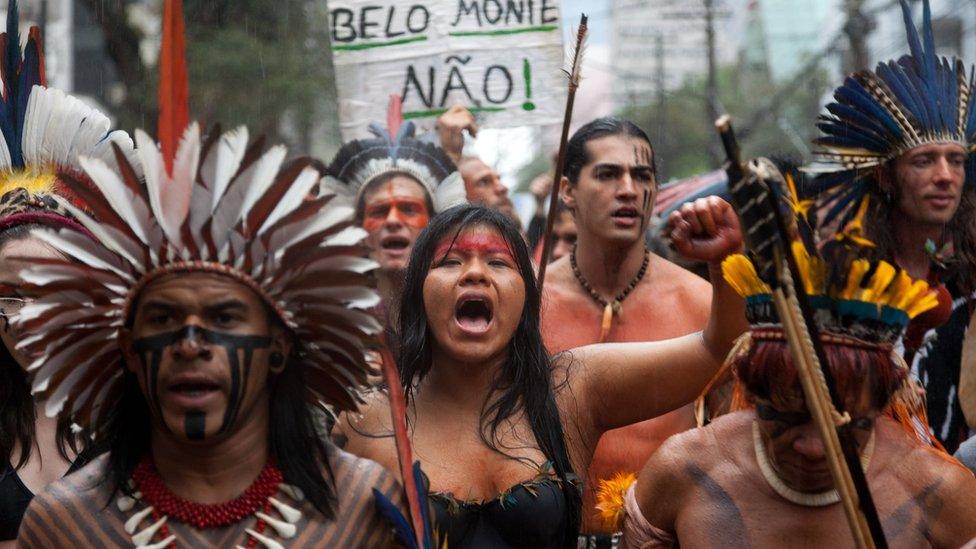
pixel 199 515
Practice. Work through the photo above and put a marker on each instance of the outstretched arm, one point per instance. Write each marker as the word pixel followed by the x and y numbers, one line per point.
pixel 624 383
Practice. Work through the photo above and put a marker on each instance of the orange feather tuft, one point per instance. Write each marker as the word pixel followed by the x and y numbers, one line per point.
pixel 610 498
pixel 174 109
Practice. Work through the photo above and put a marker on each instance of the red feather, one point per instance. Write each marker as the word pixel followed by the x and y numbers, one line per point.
pixel 394 116
pixel 35 36
pixel 174 110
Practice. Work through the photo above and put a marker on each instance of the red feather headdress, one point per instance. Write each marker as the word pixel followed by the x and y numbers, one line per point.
pixel 217 205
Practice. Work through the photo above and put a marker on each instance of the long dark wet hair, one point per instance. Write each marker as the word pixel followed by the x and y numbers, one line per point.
pixel 525 383
pixel 17 415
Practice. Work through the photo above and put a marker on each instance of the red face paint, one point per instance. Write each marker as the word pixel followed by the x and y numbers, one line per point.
pixel 482 243
pixel 411 212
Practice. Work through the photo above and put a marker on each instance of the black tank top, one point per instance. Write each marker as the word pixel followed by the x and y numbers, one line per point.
pixel 529 515
pixel 14 499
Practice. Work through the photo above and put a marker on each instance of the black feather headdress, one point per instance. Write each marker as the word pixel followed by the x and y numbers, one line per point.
pixel 362 161
pixel 877 116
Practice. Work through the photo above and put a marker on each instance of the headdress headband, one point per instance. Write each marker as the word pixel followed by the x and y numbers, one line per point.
pixel 214 205
pixel 877 116
pixel 395 151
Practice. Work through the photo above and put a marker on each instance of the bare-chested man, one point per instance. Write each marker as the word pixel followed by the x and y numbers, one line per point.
pixel 611 288
pixel 220 306
pixel 759 477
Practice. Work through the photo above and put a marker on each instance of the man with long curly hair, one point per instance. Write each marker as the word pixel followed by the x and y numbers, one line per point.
pixel 896 149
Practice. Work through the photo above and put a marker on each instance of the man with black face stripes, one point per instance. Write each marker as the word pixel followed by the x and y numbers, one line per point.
pixel 225 305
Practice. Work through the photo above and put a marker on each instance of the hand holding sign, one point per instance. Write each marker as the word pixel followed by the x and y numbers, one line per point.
pixel 450 127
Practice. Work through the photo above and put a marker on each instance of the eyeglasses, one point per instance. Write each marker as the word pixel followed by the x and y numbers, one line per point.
pixel 11 306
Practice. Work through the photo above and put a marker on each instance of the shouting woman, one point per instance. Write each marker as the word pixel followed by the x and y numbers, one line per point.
pixel 499 427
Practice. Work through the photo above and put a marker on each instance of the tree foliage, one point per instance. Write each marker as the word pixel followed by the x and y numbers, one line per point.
pixel 263 63
pixel 771 119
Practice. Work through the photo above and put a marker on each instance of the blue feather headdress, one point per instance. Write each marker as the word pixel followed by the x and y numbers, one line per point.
pixel 877 116
pixel 362 161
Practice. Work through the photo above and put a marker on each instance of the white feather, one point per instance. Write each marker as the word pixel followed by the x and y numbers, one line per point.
pixel 226 161
pixel 130 207
pixel 258 178
pixel 299 190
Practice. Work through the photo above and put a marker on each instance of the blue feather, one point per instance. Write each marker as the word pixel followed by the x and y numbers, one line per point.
pixel 400 523
pixel 423 488
pixel 854 94
pixel 971 109
pixel 914 43
pixel 848 115
pixel 898 82
pixel 928 112
pixel 843 134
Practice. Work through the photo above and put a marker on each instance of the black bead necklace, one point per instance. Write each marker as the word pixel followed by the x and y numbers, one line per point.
pixel 612 308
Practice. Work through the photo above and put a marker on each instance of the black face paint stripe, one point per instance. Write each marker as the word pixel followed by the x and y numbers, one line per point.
pixel 152 347
pixel 238 382
pixel 195 425
pixel 161 341
pixel 150 372
pixel 644 216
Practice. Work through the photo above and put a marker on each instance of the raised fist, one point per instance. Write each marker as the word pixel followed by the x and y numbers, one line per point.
pixel 705 230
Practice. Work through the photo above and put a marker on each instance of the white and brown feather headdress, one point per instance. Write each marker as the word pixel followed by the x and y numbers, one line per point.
pixel 214 205
pixel 360 162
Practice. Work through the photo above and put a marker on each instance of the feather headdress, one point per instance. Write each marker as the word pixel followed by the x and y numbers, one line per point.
pixel 854 300
pixel 877 116
pixel 216 205
pixel 360 162
pixel 44 131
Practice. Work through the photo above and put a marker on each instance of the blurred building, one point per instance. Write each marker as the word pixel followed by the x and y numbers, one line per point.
pixel 953 23
pixel 660 43
pixel 790 33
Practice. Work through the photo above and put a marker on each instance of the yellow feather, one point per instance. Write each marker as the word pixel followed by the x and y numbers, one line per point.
pixel 610 499
pixel 918 288
pixel 883 275
pixel 858 269
pixel 928 301
pixel 34 182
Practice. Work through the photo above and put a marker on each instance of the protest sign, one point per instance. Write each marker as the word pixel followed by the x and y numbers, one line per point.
pixel 502 59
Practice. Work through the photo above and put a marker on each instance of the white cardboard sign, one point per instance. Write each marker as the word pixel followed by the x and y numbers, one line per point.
pixel 502 59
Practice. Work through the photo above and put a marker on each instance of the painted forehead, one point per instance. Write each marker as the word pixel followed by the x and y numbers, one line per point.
pixel 401 186
pixel 474 240
pixel 619 149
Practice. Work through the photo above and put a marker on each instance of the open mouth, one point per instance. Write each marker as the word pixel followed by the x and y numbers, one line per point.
pixel 395 243
pixel 626 213
pixel 195 389
pixel 473 314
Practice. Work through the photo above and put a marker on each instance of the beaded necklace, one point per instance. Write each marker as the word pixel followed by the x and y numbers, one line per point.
pixel 610 308
pixel 162 505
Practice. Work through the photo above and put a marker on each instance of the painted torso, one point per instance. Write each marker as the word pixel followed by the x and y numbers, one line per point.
pixel 669 302
pixel 723 500
pixel 73 513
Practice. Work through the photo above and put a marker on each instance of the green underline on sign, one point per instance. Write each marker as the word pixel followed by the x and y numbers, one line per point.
pixel 437 112
pixel 354 47
pixel 503 32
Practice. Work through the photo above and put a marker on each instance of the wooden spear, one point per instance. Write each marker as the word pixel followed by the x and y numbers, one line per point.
pixel 769 241
pixel 574 79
